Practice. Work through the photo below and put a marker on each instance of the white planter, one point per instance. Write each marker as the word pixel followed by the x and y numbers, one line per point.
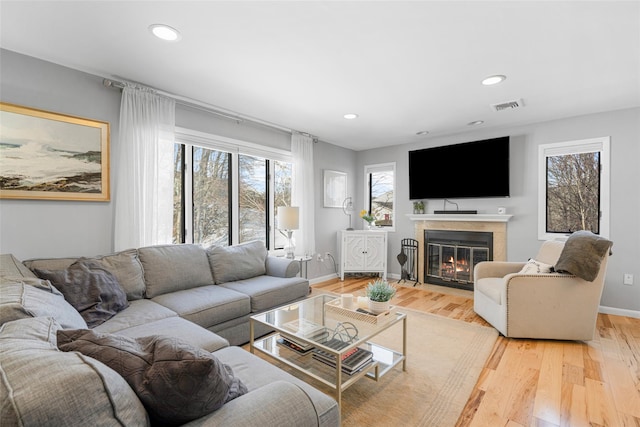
pixel 378 307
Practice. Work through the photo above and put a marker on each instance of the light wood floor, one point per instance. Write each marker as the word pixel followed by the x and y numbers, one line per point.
pixel 538 382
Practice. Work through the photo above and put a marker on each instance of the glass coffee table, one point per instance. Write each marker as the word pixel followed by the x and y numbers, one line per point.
pixel 320 339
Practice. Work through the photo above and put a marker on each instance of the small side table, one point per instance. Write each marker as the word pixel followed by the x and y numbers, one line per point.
pixel 304 268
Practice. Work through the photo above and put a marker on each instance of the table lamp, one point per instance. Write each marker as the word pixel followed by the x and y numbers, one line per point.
pixel 288 220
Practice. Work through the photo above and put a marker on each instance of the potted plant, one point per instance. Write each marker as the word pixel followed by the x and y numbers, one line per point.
pixel 369 218
pixel 379 294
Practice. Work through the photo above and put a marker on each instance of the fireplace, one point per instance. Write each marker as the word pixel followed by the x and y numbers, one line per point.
pixel 450 256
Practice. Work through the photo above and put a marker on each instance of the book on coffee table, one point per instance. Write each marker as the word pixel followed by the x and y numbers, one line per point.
pixel 353 360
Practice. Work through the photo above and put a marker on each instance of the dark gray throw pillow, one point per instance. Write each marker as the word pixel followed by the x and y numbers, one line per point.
pixel 582 255
pixel 90 289
pixel 176 382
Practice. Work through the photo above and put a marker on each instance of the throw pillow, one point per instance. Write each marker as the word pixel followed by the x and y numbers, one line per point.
pixel 90 289
pixel 536 267
pixel 582 255
pixel 176 382
pixel 24 298
pixel 238 262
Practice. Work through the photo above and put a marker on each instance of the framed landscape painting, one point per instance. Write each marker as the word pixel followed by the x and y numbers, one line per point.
pixel 50 156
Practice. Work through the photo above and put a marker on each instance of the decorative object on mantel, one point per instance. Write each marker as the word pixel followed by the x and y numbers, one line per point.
pixel 379 293
pixel 368 218
pixel 347 208
pixel 418 207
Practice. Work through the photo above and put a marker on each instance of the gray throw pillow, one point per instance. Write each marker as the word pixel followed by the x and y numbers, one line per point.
pixel 582 255
pixel 176 382
pixel 238 262
pixel 90 289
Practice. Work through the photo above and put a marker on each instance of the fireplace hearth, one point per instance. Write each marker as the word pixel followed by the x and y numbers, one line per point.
pixel 450 256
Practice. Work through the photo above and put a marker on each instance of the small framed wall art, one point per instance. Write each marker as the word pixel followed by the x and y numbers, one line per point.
pixel 335 188
pixel 50 156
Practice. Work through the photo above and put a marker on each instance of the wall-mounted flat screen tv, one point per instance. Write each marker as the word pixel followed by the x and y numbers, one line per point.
pixel 477 169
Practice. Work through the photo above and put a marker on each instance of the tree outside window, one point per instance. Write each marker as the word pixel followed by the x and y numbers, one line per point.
pixel 574 188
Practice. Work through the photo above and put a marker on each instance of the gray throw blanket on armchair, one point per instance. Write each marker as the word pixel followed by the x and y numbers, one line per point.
pixel 582 255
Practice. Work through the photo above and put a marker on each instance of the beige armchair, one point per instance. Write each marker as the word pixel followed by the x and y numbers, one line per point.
pixel 539 305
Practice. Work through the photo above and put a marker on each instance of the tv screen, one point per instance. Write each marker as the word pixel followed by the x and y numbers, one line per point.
pixel 471 170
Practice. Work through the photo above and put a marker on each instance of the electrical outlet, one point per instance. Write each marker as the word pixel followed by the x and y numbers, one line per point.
pixel 627 279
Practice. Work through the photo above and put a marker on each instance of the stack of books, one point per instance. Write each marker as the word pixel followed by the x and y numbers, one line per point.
pixel 353 360
pixel 294 343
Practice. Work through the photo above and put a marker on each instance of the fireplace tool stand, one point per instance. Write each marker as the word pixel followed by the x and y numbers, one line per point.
pixel 408 258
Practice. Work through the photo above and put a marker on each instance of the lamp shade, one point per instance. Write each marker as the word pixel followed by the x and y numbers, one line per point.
pixel 288 217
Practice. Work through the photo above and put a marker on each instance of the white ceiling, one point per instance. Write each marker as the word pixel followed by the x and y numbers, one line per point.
pixel 403 66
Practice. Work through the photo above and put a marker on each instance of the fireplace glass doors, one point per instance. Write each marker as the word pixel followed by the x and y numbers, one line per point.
pixel 452 255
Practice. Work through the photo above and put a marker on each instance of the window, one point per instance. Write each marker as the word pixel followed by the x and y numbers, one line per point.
pixel 227 191
pixel 573 191
pixel 380 194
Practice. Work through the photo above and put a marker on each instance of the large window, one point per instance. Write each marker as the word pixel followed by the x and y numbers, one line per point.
pixel 380 193
pixel 574 188
pixel 223 196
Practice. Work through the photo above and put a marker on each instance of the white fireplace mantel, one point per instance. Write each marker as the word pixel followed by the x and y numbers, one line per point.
pixel 460 217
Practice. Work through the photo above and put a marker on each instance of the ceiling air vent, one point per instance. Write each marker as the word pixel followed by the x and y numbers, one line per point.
pixel 508 105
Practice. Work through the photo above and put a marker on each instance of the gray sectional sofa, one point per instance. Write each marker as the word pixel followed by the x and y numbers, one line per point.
pixel 204 297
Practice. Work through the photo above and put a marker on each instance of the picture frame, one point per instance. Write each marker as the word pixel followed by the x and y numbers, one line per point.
pixel 50 156
pixel 335 188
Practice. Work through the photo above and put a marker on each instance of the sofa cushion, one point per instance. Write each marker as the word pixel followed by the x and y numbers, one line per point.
pixel 267 292
pixel 124 265
pixel 139 312
pixel 256 373
pixel 189 332
pixel 207 305
pixel 170 268
pixel 10 266
pixel 42 386
pixel 27 297
pixel 582 255
pixel 176 382
pixel 237 262
pixel 90 289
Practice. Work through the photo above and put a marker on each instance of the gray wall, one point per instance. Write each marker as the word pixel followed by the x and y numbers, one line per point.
pixel 30 228
pixel 522 242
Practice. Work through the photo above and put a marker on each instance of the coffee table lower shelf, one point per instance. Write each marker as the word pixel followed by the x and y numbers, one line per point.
pixel 384 360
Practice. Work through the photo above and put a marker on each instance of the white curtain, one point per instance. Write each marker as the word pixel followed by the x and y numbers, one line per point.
pixel 303 194
pixel 144 177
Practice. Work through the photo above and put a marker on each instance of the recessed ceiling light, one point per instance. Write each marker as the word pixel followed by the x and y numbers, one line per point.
pixel 494 80
pixel 475 123
pixel 422 132
pixel 350 116
pixel 165 32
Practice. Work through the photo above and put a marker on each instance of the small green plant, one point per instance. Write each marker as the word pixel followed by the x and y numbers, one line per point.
pixel 380 290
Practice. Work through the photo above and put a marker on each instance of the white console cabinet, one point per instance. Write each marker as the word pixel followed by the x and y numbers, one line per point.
pixel 362 251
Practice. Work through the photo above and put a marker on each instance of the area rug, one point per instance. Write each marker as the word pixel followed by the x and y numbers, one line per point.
pixel 445 359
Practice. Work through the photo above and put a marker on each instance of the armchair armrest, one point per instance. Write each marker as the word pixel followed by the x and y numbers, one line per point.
pixel 276 404
pixel 282 267
pixel 496 269
pixel 551 306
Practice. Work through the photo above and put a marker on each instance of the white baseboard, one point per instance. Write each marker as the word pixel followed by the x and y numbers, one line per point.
pixel 323 278
pixel 619 311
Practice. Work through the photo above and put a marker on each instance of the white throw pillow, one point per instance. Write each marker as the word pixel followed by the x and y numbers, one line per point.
pixel 536 267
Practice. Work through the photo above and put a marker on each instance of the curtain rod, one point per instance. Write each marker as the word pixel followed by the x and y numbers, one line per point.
pixel 192 103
